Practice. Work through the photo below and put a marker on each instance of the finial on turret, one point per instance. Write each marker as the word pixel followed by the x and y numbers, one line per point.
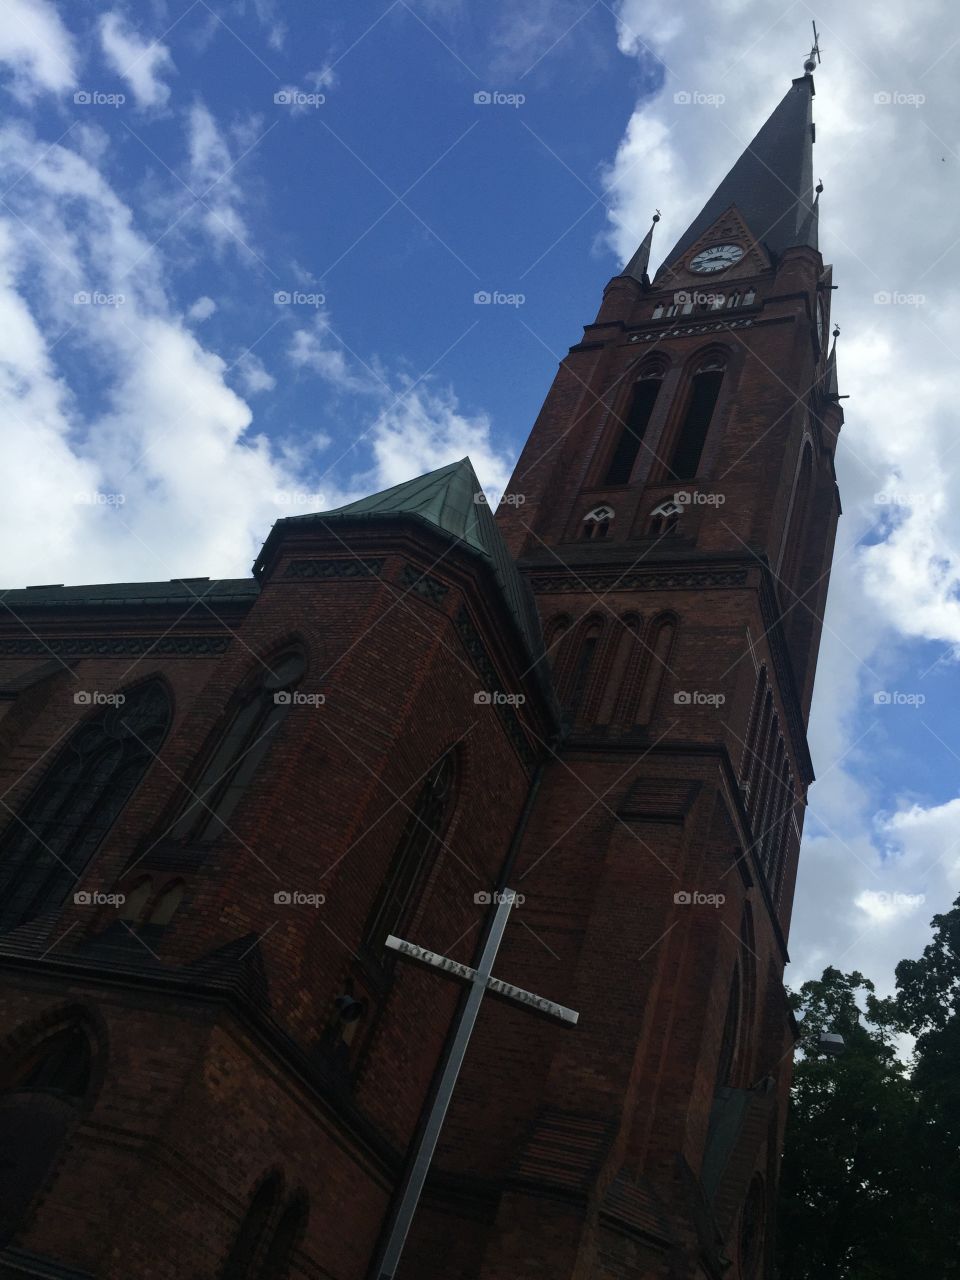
pixel 656 215
pixel 813 57
pixel 819 187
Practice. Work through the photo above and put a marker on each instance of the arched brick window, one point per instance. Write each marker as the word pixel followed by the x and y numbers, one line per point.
pixel 48 844
pixel 241 748
pixel 287 1236
pixel 691 437
pixel 632 423
pixel 660 640
pixel 41 1096
pixel 423 831
pixel 251 1240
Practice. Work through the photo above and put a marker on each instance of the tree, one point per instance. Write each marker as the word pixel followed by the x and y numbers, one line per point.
pixel 844 1208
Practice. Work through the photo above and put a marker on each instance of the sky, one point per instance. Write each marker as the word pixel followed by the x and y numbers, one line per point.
pixel 241 248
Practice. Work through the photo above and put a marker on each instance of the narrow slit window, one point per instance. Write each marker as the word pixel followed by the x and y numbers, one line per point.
pixel 688 449
pixel 632 431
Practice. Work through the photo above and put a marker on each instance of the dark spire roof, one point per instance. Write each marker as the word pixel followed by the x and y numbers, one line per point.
pixel 771 184
pixel 831 385
pixel 637 267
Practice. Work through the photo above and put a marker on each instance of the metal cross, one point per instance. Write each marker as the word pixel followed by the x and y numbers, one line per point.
pixel 480 982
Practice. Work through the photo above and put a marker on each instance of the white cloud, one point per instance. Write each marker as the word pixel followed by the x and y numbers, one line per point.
pixel 212 177
pixel 255 376
pixel 202 309
pixel 140 63
pixel 37 47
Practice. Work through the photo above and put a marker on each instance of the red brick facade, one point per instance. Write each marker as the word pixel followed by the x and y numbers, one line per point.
pixel 648 808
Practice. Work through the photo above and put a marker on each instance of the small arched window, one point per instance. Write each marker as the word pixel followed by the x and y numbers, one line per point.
pixel 660 639
pixel 41 1095
pixel 587 641
pixel 287 1236
pixel 46 847
pixel 596 523
pixel 163 910
pixel 134 902
pixel 423 831
pixel 665 518
pixel 690 439
pixel 240 750
pixel 633 423
pixel 250 1242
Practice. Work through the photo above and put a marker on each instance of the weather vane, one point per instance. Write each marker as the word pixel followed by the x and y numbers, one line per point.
pixel 813 57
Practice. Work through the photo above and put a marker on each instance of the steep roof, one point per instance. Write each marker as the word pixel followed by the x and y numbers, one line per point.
pixel 771 184
pixel 447 499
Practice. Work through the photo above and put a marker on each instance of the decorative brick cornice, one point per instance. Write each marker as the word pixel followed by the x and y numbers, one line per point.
pixel 342 567
pixel 170 646
pixel 611 580
pixel 423 584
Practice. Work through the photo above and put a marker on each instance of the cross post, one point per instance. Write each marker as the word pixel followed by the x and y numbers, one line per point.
pixel 480 981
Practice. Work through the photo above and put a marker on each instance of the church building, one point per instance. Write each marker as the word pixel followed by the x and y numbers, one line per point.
pixel 220 799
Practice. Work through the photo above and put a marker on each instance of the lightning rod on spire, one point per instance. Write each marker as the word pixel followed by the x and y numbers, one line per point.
pixel 813 57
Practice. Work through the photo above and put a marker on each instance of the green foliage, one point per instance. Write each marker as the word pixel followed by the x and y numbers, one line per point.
pixel 870 1188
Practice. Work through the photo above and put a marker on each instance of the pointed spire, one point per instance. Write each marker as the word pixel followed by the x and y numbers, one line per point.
pixel 638 265
pixel 770 184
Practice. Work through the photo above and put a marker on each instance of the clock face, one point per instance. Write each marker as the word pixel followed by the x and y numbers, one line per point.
pixel 717 258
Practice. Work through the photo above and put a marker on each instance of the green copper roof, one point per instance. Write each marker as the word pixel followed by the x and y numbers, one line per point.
pixel 448 499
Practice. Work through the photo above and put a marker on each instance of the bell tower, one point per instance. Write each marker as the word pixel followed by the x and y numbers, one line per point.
pixel 680 506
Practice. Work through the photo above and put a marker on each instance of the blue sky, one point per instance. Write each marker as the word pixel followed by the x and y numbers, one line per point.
pixel 160 409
